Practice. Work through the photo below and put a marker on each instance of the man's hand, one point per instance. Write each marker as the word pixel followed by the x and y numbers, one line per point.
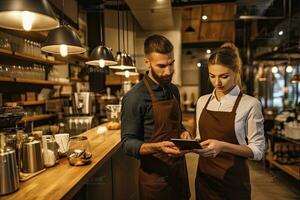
pixel 185 135
pixel 211 148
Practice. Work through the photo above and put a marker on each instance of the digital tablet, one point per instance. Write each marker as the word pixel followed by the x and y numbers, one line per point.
pixel 184 144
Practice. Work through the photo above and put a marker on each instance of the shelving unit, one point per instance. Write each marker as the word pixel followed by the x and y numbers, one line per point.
pixel 21 56
pixel 36 118
pixel 293 170
pixel 32 103
pixel 32 81
pixel 283 138
pixel 118 80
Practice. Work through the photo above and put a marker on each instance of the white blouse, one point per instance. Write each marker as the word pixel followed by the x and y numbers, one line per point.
pixel 249 121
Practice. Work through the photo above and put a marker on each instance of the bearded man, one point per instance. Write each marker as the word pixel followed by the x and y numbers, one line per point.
pixel 150 117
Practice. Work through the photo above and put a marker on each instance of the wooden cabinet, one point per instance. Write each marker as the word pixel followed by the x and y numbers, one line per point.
pixel 117 179
pixel 291 169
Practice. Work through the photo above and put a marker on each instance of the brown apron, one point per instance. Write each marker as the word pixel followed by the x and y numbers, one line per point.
pixel 225 176
pixel 161 176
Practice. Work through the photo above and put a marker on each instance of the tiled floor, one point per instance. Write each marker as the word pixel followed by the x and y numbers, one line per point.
pixel 266 184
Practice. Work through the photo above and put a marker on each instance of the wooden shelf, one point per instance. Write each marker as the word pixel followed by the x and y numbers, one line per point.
pixel 36 118
pixel 31 81
pixel 293 170
pixel 118 80
pixel 31 103
pixel 284 138
pixel 78 80
pixel 21 56
pixel 6 79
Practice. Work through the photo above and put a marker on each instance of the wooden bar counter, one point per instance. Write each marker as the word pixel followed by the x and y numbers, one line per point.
pixel 64 181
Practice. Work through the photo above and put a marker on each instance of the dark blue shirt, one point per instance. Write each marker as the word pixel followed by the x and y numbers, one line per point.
pixel 137 123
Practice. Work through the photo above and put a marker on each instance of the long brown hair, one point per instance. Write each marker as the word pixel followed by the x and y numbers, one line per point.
pixel 228 56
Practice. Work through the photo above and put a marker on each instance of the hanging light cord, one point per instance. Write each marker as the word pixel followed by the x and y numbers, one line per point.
pixel 123 25
pixel 127 31
pixel 133 36
pixel 118 25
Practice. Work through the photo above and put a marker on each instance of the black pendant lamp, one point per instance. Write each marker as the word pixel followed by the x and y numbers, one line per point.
pixel 123 61
pixel 127 73
pixel 101 55
pixel 295 78
pixel 28 15
pixel 63 41
pixel 190 28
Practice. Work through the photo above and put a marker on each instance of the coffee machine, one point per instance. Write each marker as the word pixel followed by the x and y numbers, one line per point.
pixel 84 103
pixel 82 114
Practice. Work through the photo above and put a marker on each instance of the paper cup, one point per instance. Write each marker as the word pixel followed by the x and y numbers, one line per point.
pixel 62 140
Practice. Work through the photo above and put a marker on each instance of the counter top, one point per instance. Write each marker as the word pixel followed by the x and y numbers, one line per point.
pixel 63 181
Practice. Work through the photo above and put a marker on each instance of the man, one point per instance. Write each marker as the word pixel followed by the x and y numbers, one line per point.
pixel 151 116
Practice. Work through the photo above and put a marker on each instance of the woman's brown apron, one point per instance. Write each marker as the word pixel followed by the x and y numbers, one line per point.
pixel 161 176
pixel 225 176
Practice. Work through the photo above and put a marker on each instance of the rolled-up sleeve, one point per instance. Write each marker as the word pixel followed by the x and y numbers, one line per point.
pixel 255 131
pixel 131 125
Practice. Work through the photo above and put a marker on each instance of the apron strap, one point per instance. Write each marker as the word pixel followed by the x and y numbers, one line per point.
pixel 237 102
pixel 207 102
pixel 149 88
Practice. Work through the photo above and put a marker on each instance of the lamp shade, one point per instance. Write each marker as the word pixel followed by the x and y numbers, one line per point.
pixel 295 78
pixel 29 15
pixel 63 36
pixel 101 54
pixel 189 29
pixel 127 73
pixel 123 62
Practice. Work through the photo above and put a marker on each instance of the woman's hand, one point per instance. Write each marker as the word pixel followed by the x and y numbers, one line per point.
pixel 185 135
pixel 211 148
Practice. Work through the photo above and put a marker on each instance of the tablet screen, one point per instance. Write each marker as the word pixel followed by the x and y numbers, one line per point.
pixel 184 144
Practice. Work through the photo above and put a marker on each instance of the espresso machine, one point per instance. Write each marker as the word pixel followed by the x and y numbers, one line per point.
pixel 84 103
pixel 81 117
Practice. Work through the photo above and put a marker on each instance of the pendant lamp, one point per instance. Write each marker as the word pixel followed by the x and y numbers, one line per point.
pixel 127 73
pixel 295 78
pixel 101 55
pixel 63 41
pixel 123 61
pixel 28 15
pixel 190 28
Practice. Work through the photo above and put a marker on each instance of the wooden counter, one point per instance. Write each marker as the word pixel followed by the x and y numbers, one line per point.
pixel 63 181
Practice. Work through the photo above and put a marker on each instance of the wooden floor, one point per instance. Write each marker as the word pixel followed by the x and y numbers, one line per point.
pixel 266 184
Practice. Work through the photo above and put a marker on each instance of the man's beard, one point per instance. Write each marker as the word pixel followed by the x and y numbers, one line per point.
pixel 165 80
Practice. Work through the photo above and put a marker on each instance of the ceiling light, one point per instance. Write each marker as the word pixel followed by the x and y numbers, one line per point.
pixel 127 73
pixel 289 69
pixel 295 78
pixel 63 41
pixel 208 51
pixel 274 69
pixel 123 62
pixel 280 32
pixel 190 28
pixel 199 64
pixel 275 48
pixel 28 15
pixel 204 17
pixel 101 56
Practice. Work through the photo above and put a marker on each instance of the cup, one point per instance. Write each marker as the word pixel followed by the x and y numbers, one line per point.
pixel 62 140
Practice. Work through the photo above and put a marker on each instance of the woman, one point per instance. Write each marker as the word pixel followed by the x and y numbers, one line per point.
pixel 230 127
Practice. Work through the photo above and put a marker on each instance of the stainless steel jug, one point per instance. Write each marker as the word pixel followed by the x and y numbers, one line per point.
pixel 9 175
pixel 32 158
